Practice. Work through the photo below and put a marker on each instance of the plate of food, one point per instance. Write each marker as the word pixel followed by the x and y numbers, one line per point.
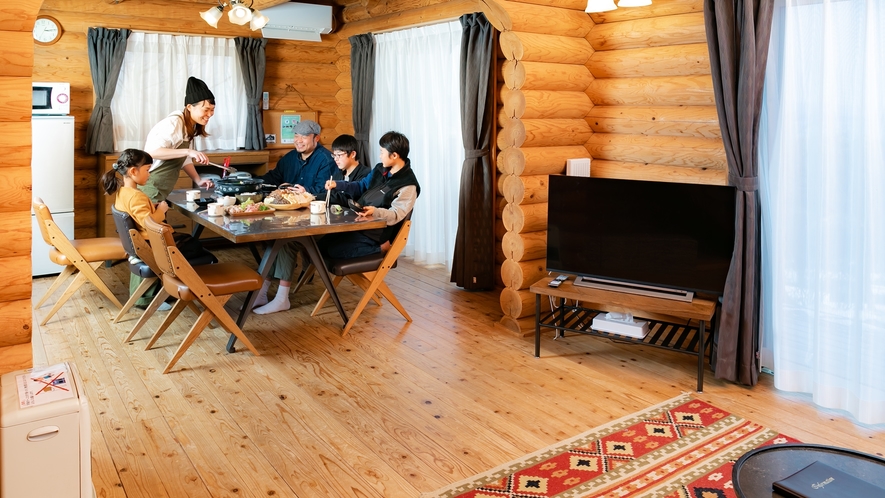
pixel 285 200
pixel 249 208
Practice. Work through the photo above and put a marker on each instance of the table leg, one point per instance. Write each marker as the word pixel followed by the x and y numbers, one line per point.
pixel 559 308
pixel 270 254
pixel 197 231
pixel 310 245
pixel 701 348
pixel 537 325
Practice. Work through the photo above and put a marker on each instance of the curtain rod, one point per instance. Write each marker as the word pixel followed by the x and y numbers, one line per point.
pixel 151 32
pixel 419 25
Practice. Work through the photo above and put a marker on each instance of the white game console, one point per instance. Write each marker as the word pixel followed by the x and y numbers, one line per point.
pixel 621 324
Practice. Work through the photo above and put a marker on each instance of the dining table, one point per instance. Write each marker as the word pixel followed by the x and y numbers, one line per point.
pixel 274 229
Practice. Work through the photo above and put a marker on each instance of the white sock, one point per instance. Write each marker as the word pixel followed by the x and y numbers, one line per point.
pixel 261 300
pixel 280 302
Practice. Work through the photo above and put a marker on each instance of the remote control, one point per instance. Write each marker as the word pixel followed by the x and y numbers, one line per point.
pixel 555 283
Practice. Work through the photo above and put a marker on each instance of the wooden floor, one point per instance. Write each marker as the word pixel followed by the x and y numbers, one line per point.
pixel 392 410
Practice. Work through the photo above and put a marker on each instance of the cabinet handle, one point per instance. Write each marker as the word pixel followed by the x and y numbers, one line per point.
pixel 43 433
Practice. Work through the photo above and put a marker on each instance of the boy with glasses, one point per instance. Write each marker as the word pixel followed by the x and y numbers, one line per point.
pixel 349 168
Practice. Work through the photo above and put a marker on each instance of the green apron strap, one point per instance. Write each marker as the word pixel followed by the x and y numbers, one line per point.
pixel 163 178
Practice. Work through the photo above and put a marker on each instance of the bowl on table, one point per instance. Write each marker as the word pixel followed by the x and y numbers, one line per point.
pixel 255 196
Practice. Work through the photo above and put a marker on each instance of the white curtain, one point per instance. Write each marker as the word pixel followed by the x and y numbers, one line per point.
pixel 416 93
pixel 152 83
pixel 822 171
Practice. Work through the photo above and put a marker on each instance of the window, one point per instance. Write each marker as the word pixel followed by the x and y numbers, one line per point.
pixel 152 82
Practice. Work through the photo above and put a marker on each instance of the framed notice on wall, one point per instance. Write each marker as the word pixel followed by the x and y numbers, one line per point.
pixel 279 127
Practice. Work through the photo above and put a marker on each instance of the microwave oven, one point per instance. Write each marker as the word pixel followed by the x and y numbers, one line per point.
pixel 50 98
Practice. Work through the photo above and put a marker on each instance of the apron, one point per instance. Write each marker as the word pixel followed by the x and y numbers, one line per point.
pixel 163 178
pixel 159 184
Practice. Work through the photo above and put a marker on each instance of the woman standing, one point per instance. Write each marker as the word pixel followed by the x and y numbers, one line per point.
pixel 170 142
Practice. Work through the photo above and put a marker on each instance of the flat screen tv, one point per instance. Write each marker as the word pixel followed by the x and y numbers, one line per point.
pixel 673 236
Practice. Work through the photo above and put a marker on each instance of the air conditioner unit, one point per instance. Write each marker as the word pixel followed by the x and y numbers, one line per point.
pixel 297 21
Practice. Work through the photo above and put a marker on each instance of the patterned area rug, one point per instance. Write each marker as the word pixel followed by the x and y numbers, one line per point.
pixel 680 448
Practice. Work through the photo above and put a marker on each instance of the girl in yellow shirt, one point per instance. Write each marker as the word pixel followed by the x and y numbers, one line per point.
pixel 134 166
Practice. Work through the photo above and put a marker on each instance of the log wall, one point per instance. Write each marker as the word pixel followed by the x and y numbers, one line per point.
pixel 655 112
pixel 16 24
pixel 630 88
pixel 541 115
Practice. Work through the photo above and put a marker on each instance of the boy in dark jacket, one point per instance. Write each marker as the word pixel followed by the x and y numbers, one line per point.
pixel 388 192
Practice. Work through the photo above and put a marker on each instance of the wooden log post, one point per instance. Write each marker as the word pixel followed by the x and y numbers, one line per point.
pixel 543 107
pixel 524 246
pixel 521 304
pixel 515 45
pixel 545 76
pixel 525 218
pixel 543 104
pixel 520 275
pixel 523 190
pixel 547 19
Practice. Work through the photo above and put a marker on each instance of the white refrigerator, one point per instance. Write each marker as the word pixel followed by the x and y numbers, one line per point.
pixel 52 177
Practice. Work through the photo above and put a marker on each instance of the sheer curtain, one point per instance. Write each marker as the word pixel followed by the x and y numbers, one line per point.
pixel 152 82
pixel 417 94
pixel 822 169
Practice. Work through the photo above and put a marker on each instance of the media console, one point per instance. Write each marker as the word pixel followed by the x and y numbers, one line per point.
pixel 663 315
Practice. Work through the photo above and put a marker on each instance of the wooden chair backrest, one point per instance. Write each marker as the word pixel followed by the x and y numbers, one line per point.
pixel 43 214
pixel 398 244
pixel 143 250
pixel 160 237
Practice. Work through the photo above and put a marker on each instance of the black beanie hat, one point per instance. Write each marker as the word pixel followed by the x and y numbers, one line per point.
pixel 196 91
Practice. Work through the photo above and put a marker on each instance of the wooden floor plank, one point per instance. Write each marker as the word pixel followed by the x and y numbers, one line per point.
pixel 392 409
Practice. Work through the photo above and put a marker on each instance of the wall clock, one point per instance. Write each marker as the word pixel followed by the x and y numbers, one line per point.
pixel 47 30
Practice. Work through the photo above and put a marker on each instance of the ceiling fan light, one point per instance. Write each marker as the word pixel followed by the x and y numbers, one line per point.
pixel 600 6
pixel 212 15
pixel 258 21
pixel 634 3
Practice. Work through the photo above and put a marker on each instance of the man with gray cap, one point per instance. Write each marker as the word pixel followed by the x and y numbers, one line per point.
pixel 307 168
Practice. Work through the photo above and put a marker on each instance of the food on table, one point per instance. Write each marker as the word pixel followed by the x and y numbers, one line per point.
pixel 285 196
pixel 248 207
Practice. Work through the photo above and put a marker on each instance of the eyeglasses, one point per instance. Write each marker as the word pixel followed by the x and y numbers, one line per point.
pixel 340 155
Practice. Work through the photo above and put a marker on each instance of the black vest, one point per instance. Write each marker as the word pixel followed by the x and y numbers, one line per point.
pixel 381 192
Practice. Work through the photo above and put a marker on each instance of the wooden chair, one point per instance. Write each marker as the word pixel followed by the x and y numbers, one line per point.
pixel 368 273
pixel 210 285
pixel 142 263
pixel 80 257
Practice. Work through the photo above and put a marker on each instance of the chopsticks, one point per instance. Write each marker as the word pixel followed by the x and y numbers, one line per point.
pixel 328 191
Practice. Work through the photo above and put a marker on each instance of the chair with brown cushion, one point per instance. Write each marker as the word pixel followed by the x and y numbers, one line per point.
pixel 143 264
pixel 368 273
pixel 80 257
pixel 210 285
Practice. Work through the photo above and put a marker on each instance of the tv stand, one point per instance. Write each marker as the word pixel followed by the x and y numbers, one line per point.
pixel 671 323
pixel 631 288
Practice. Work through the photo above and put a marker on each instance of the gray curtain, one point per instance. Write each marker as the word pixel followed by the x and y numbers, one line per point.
pixel 738 33
pixel 362 82
pixel 252 62
pixel 473 265
pixel 106 49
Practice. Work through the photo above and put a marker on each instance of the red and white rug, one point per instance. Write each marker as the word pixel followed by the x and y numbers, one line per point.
pixel 682 447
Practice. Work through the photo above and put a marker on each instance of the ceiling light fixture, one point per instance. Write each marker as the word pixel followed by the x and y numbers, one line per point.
pixel 239 14
pixel 600 6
